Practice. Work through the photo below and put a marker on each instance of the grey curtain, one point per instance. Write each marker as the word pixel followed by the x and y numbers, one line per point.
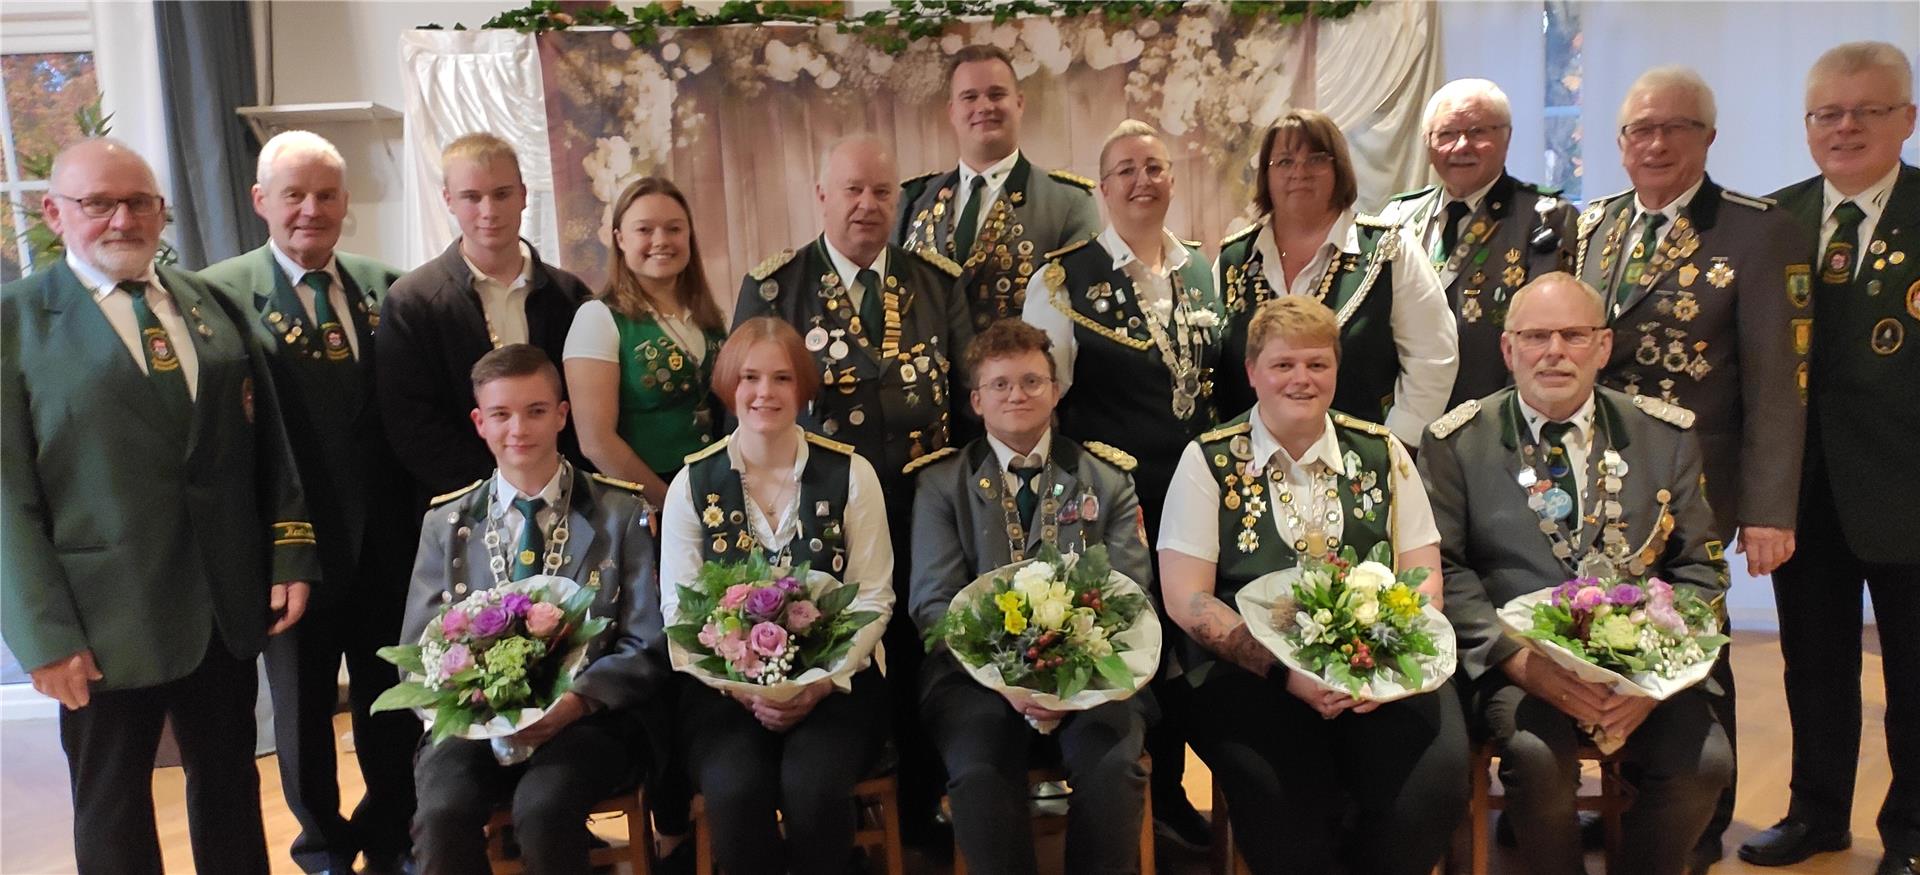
pixel 206 72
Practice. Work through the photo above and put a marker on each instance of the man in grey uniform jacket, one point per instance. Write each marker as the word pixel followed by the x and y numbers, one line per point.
pixel 1628 499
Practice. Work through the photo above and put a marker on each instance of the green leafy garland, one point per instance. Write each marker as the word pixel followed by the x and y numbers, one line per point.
pixel 890 30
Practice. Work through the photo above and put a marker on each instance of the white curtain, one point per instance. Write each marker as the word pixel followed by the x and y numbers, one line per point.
pixel 459 82
pixel 1373 72
pixel 126 58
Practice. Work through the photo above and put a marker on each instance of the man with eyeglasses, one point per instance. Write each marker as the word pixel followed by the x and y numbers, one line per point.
pixel 980 507
pixel 1486 232
pixel 1606 482
pixel 155 530
pixel 1857 516
pixel 994 214
pixel 1703 285
pixel 316 311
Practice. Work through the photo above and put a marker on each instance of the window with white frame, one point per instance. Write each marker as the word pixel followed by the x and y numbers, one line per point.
pixel 47 70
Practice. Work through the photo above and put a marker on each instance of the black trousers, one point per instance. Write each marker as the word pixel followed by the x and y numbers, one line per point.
pixel 988 747
pixel 1679 758
pixel 460 784
pixel 1167 736
pixel 918 769
pixel 302 673
pixel 751 776
pixel 110 745
pixel 1818 594
pixel 1290 776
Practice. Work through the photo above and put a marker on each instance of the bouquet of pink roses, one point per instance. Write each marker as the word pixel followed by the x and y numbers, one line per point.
pixel 493 662
pixel 748 623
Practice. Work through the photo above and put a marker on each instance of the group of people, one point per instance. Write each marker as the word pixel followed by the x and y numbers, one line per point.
pixel 961 368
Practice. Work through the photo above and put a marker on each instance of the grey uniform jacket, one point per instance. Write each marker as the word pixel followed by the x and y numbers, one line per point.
pixel 607 545
pixel 960 528
pixel 1710 328
pixel 1491 547
pixel 1520 231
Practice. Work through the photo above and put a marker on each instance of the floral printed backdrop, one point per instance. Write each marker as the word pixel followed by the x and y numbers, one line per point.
pixel 738 115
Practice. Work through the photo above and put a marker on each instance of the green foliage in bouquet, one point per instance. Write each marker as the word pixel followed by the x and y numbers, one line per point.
pixel 1044 627
pixel 1353 621
pixel 748 621
pixel 1629 627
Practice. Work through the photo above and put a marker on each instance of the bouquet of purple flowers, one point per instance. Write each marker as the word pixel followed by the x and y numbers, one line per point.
pixel 750 623
pixel 1628 628
pixel 493 662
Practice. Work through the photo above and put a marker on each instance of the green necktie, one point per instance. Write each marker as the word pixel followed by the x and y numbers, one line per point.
pixel 1025 498
pixel 872 305
pixel 1560 465
pixel 333 334
pixel 1638 259
pixel 969 220
pixel 532 548
pixel 1837 262
pixel 163 359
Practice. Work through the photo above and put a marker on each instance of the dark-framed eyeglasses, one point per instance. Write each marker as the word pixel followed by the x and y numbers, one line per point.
pixel 1475 134
pixel 1575 337
pixel 1312 162
pixel 144 206
pixel 1641 133
pixel 1865 114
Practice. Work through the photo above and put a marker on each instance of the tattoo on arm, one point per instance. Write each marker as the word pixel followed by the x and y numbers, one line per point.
pixel 1219 629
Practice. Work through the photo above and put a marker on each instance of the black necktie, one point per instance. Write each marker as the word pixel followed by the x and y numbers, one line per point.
pixel 1025 498
pixel 532 548
pixel 163 358
pixel 872 305
pixel 1450 230
pixel 1838 260
pixel 969 220
pixel 1560 465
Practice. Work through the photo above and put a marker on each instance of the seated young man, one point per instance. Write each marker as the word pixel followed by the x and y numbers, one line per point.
pixel 964 527
pixel 538 514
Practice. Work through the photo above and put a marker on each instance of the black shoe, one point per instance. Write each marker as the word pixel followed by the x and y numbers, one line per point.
pixel 1176 821
pixel 1704 855
pixel 1897 864
pixel 1791 841
pixel 1593 831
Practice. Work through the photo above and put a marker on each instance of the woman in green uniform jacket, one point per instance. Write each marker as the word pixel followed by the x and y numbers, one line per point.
pixel 639 359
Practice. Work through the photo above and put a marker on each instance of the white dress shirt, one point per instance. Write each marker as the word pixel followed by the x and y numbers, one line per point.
pixel 1424 333
pixel 869 549
pixel 117 306
pixel 1191 518
pixel 336 293
pixel 595 336
pixel 510 521
pixel 1153 289
pixel 1579 441
pixel 505 305
pixel 996 176
pixel 1872 201
pixel 1671 211
pixel 847 270
pixel 1043 450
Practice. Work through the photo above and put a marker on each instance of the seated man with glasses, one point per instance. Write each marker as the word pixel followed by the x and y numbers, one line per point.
pixel 1606 483
pixel 981 507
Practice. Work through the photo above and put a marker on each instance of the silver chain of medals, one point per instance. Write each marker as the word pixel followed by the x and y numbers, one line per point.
pixel 1553 505
pixel 1322 509
pixel 556 540
pixel 1181 358
pixel 1048 511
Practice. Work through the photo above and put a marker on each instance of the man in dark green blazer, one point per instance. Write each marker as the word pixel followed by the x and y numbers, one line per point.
pixel 317 313
pixel 155 532
pixel 1857 514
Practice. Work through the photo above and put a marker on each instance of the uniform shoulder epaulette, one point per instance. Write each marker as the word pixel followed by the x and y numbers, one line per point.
pixel 618 483
pixel 920 179
pixel 771 263
pixel 1450 421
pixel 1747 200
pixel 1074 179
pixel 1226 431
pixel 1371 221
pixel 1667 412
pixel 1112 455
pixel 1249 229
pixel 929 459
pixel 1069 247
pixel 1372 428
pixel 1609 198
pixel 1191 244
pixel 1416 193
pixel 829 443
pixel 443 499
pixel 708 450
pixel 940 262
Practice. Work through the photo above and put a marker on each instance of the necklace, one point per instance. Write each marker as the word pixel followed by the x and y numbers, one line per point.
pixel 1309 524
pixel 556 540
pixel 1047 514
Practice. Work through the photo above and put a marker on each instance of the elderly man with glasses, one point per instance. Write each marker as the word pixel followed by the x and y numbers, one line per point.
pixel 1708 292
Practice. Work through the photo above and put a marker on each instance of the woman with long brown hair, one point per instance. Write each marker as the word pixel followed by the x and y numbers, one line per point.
pixel 639 359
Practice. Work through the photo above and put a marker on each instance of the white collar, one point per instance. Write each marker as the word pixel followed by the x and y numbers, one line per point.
pixel 1472 200
pixel 1173 255
pixel 504 493
pixel 97 281
pixel 295 272
pixel 1582 419
pixel 1340 236
pixel 1043 449
pixel 1673 207
pixel 799 454
pixel 996 173
pixel 1871 200
pixel 845 267
pixel 1324 449
pixel 480 276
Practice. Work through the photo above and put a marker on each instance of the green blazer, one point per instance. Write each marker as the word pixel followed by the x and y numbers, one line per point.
pixel 118 537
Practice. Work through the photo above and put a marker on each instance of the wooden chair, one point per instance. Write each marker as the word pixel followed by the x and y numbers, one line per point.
pixel 1614 798
pixel 637 853
pixel 877 831
pixel 1050 823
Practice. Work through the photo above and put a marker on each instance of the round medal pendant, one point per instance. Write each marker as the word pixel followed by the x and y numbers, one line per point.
pixel 838 350
pixel 1527 478
pixel 816 339
pixel 1558 503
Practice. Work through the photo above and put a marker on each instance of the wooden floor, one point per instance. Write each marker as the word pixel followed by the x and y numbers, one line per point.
pixel 36 822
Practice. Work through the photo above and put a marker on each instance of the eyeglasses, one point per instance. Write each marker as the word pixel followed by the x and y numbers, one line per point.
pixel 143 206
pixel 1576 337
pixel 1475 134
pixel 1154 170
pixel 1312 162
pixel 1030 384
pixel 1642 133
pixel 1865 114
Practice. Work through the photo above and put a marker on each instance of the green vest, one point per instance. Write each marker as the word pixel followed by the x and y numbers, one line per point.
pixel 721 504
pixel 664 414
